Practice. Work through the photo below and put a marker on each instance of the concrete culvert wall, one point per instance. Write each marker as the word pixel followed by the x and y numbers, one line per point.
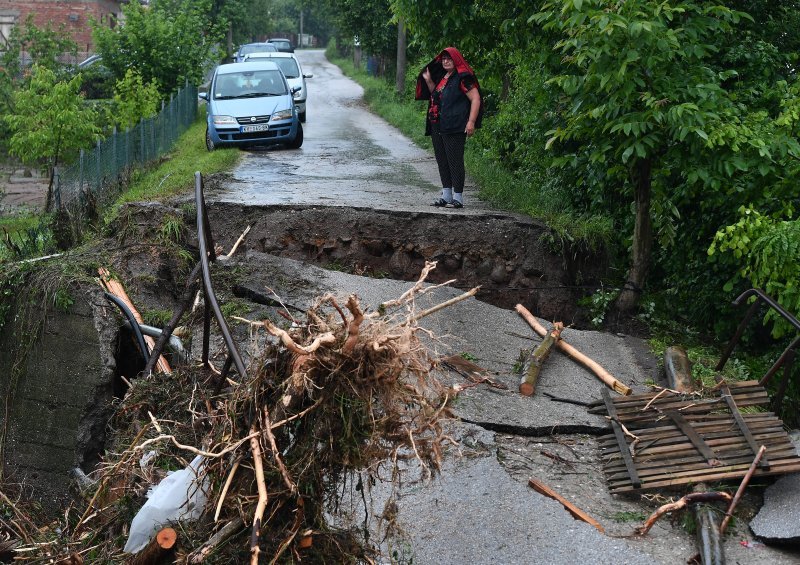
pixel 513 260
pixel 56 392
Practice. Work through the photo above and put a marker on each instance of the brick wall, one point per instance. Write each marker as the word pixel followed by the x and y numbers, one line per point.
pixel 73 14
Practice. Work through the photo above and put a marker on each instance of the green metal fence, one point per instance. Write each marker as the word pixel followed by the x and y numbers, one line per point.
pixel 93 181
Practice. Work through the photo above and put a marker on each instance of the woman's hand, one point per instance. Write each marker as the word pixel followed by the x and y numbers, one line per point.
pixel 426 75
pixel 470 129
pixel 474 108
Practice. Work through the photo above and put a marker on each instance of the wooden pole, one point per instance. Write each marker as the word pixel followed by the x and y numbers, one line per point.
pixel 576 355
pixel 533 364
pixel 576 512
pixel 160 549
pixel 740 490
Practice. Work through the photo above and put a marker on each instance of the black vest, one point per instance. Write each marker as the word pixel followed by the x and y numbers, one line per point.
pixel 454 107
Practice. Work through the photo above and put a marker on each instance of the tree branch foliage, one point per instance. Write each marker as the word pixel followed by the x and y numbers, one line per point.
pixel 169 42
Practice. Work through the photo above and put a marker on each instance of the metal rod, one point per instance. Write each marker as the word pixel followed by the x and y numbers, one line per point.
pixel 209 291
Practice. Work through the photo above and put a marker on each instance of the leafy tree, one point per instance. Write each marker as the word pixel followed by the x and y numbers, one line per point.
pixel 170 42
pixel 639 93
pixel 767 249
pixel 370 20
pixel 134 100
pixel 43 46
pixel 50 122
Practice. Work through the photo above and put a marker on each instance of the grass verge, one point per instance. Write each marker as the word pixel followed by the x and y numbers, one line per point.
pixel 173 174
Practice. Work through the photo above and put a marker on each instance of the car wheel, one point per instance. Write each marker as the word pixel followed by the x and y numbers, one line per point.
pixel 209 142
pixel 297 142
pixel 302 117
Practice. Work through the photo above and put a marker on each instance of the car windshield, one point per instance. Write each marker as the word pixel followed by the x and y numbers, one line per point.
pixel 249 84
pixel 255 48
pixel 288 66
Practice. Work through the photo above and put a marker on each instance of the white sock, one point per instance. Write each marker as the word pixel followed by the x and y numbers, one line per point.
pixel 459 197
pixel 447 194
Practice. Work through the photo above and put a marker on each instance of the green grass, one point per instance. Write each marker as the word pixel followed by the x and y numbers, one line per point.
pixel 174 173
pixel 496 184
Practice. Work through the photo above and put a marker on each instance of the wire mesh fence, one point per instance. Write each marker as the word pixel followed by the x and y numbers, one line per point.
pixel 94 180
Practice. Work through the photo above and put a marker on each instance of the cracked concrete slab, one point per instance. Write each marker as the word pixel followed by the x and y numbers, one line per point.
pixel 778 521
pixel 493 337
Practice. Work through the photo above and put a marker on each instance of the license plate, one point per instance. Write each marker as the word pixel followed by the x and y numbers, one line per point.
pixel 259 127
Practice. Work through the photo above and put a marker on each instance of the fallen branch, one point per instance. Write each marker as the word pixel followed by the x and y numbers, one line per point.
pixel 443 305
pixel 238 242
pixel 576 355
pixel 680 504
pixel 533 364
pixel 224 492
pixel 222 535
pixel 258 515
pixel 576 512
pixel 740 490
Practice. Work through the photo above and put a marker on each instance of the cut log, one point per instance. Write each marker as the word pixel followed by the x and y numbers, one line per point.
pixel 533 363
pixel 161 549
pixel 576 355
pixel 576 512
pixel 678 368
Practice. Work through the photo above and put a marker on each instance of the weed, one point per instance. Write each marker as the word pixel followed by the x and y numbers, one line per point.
pixel 234 307
pixel 172 228
pixel 599 304
pixel 63 300
pixel 629 516
pixel 468 356
pixel 156 318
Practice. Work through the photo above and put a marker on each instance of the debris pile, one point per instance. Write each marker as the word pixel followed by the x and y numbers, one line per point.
pixel 333 401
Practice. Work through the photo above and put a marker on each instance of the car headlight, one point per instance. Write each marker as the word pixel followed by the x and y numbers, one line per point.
pixel 224 121
pixel 282 115
pixel 298 94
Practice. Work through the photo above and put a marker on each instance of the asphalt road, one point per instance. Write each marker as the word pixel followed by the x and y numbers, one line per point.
pixel 476 512
pixel 350 157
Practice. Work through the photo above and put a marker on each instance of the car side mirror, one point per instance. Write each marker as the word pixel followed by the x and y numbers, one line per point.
pixel 308 76
pixel 203 95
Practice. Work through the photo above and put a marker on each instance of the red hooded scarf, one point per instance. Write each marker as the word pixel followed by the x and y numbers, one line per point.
pixel 437 72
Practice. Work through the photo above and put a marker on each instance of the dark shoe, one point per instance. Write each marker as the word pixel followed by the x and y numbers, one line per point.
pixel 441 203
pixel 455 204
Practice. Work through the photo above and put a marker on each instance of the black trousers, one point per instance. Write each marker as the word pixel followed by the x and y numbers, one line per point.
pixel 449 151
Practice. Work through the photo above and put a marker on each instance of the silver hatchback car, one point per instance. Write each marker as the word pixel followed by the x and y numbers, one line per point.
pixel 251 104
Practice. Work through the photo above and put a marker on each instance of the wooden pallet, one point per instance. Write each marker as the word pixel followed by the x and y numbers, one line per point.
pixel 685 438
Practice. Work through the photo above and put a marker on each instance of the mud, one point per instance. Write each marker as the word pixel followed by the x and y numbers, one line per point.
pixel 512 261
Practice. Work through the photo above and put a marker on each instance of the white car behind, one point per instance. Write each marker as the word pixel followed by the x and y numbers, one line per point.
pixel 288 63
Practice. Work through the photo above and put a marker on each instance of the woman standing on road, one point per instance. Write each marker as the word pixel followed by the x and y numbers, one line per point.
pixel 454 111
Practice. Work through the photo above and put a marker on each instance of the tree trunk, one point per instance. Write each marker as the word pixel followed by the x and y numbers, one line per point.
pixel 161 549
pixel 400 77
pixel 642 244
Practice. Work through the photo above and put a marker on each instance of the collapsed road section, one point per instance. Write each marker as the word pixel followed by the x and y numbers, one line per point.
pixel 281 494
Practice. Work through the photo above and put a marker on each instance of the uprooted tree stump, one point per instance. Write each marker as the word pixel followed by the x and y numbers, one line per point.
pixel 332 402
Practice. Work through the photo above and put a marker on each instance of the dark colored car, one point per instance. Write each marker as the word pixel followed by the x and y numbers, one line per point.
pixel 283 44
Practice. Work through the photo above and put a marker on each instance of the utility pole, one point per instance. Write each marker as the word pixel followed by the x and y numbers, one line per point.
pixel 301 29
pixel 400 77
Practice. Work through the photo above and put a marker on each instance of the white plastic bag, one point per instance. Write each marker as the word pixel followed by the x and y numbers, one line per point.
pixel 180 496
